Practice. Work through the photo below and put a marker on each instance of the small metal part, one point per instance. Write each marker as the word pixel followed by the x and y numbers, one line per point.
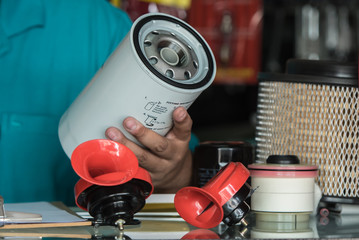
pixel 119 223
pixel 244 232
pixel 244 222
pixel 121 236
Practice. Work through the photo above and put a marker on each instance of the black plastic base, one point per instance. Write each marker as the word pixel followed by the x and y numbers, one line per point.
pixel 237 208
pixel 107 204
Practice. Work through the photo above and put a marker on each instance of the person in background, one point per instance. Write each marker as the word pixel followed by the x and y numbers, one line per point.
pixel 49 51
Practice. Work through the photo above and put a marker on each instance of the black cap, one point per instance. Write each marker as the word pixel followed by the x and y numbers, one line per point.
pixel 283 159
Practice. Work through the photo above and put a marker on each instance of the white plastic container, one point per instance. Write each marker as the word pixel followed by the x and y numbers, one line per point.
pixel 284 186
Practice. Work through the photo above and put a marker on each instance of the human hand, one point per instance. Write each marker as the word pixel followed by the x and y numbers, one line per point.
pixel 168 159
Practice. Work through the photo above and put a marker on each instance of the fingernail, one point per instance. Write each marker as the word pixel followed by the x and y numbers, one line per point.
pixel 130 124
pixel 181 114
pixel 111 135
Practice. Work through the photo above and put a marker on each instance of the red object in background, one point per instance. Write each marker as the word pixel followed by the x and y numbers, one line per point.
pixel 233 30
pixel 136 8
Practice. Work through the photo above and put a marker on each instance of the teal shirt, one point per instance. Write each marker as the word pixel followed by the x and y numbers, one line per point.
pixel 49 51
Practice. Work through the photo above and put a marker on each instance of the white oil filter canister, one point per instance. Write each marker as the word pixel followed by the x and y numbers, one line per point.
pixel 283 185
pixel 161 64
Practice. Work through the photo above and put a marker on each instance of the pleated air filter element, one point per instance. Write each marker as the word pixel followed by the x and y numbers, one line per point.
pixel 312 111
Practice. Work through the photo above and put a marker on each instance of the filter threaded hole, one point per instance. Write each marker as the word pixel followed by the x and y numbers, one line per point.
pixel 169 73
pixel 147 43
pixel 195 64
pixel 153 60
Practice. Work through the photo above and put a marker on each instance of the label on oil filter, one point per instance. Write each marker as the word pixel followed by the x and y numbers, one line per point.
pixel 157 114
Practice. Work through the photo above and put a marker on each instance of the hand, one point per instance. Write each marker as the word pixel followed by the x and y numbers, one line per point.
pixel 168 159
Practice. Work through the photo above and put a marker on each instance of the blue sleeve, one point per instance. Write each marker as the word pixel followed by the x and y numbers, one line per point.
pixel 194 142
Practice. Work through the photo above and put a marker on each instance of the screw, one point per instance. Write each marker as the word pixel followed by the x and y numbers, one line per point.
pixel 244 222
pixel 244 232
pixel 120 223
pixel 120 236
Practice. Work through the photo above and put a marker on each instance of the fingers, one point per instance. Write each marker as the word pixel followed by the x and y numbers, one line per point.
pixel 145 158
pixel 150 139
pixel 182 124
pixel 158 149
pixel 161 146
pixel 167 158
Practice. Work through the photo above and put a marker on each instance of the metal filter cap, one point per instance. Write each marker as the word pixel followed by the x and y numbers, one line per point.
pixel 173 51
pixel 170 55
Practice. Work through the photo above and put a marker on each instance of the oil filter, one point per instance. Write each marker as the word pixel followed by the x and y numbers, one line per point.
pixel 210 156
pixel 312 111
pixel 161 64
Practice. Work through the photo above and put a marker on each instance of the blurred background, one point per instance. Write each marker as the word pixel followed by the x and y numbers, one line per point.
pixel 251 36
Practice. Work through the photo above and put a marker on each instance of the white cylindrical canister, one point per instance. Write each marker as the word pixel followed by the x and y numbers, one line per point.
pixel 162 63
pixel 283 185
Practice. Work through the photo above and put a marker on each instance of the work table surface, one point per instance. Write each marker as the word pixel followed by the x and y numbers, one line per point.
pixel 171 226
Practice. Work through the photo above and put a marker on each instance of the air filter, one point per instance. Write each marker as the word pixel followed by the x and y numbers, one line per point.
pixel 312 111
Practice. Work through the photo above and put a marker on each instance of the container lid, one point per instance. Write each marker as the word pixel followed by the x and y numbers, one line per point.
pixel 316 72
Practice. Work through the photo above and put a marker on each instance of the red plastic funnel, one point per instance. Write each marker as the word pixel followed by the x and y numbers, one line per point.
pixel 203 207
pixel 104 162
pixel 198 207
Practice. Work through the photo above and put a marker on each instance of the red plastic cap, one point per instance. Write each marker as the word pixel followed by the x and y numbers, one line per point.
pixel 104 162
pixel 202 207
